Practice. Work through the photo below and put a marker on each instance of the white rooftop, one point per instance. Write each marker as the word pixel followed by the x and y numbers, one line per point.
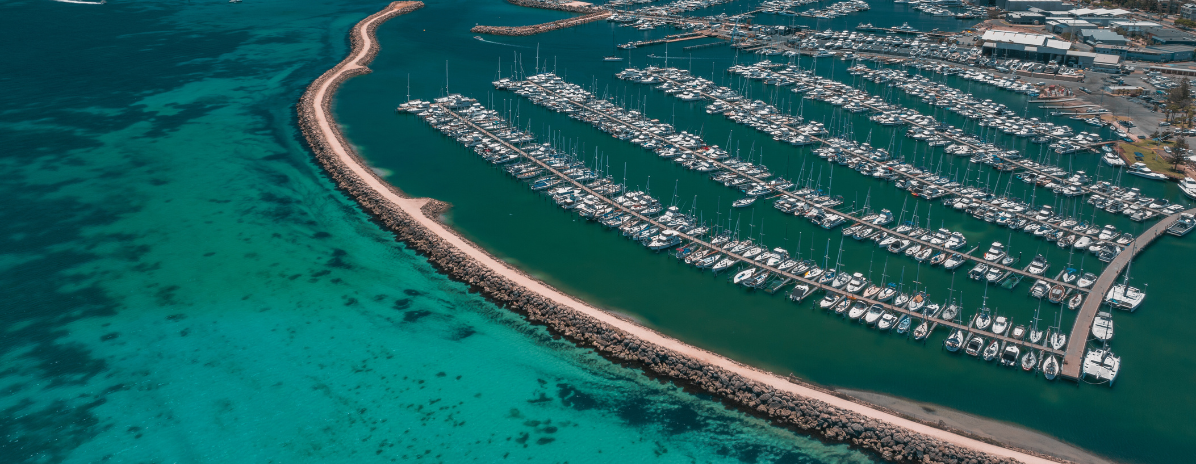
pixel 1022 38
pixel 1098 12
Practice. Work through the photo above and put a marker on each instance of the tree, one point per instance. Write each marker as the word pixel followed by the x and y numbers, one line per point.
pixel 1177 155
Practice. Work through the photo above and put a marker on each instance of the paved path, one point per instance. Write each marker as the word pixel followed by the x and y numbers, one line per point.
pixel 1074 359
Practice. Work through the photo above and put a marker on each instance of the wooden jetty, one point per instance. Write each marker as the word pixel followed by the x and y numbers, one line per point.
pixel 1076 347
pixel 665 39
pixel 701 242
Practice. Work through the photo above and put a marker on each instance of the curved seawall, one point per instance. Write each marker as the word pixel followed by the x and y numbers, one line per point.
pixel 788 403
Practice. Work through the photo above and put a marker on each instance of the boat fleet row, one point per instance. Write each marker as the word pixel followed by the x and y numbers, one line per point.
pixel 1003 210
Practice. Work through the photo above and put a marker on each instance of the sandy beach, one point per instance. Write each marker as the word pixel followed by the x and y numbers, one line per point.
pixel 331 147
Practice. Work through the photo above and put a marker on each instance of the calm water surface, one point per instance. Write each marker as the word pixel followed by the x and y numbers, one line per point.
pixel 1146 417
pixel 182 284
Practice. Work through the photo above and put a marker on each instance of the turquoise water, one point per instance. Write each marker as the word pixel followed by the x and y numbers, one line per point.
pixel 1145 417
pixel 182 284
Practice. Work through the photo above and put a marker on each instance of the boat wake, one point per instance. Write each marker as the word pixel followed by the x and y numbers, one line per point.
pixel 476 37
pixel 78 2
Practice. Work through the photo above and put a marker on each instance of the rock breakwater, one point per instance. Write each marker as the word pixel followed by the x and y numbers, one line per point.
pixel 539 28
pixel 736 384
pixel 573 7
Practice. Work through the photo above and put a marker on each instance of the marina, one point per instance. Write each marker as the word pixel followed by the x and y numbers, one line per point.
pixel 1050 171
pixel 598 205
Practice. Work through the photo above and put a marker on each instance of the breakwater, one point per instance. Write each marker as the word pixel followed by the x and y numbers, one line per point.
pixel 539 28
pixel 572 7
pixel 786 402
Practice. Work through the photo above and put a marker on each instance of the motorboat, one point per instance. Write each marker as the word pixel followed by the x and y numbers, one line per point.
pixel 990 353
pixel 841 279
pixel 1050 367
pixel 1101 364
pixel 858 308
pixel 1009 355
pixel 1086 280
pixel 829 300
pixel 841 308
pixel 886 321
pixel 1038 266
pixel 1000 325
pixel 1125 297
pixel 975 346
pixel 873 314
pixel 904 323
pixel 743 202
pixel 1188 187
pixel 800 292
pixel 952 343
pixel 1019 331
pixel 1102 326
pixel 856 283
pixel 1139 169
pixel 1040 289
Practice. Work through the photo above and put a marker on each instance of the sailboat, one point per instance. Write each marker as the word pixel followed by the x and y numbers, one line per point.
pixel 1050 367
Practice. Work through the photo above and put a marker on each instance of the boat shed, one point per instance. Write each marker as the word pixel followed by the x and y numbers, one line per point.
pixel 1131 90
pixel 1100 16
pixel 1156 53
pixel 1135 27
pixel 1023 17
pixel 1026 5
pixel 1068 25
pixel 1167 36
pixel 1175 71
pixel 1103 36
pixel 1013 44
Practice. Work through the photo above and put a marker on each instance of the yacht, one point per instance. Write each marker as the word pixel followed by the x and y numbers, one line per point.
pixel 612 58
pixel 744 275
pixel 995 252
pixel 990 353
pixel 1050 367
pixel 1125 297
pixel 1102 326
pixel 1029 360
pixel 982 320
pixel 952 343
pixel 1139 169
pixel 1112 159
pixel 1058 340
pixel 1101 365
pixel 1188 186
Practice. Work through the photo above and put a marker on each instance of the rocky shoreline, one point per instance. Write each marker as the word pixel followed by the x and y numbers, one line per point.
pixel 539 28
pixel 554 6
pixel 893 443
